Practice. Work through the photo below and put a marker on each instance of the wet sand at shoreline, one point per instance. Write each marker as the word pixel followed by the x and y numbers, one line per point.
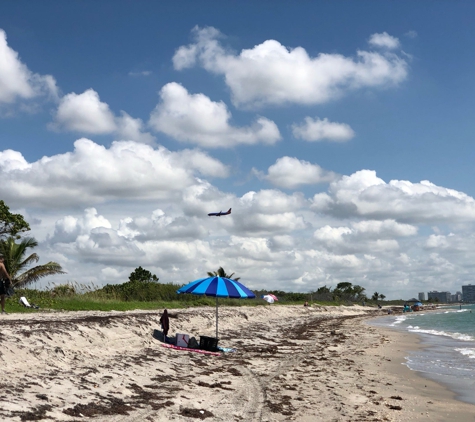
pixel 291 363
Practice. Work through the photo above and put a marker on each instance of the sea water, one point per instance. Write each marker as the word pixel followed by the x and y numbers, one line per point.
pixel 448 339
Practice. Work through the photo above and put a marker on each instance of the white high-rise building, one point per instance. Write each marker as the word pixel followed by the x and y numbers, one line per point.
pixel 422 296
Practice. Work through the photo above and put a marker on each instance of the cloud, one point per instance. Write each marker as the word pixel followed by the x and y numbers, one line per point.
pixel 130 129
pixel 196 119
pixel 271 201
pixel 363 194
pixel 319 130
pixel 290 172
pixel 363 237
pixel 271 73
pixel 384 40
pixel 411 34
pixel 68 228
pixel 95 174
pixel 84 113
pixel 17 82
pixel 267 237
pixel 141 73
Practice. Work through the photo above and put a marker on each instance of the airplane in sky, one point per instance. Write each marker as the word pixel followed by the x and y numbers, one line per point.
pixel 219 214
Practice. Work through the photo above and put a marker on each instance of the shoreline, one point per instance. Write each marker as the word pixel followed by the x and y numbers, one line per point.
pixel 428 399
pixel 291 363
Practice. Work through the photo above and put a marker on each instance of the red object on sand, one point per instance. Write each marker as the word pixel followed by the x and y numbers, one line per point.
pixel 187 349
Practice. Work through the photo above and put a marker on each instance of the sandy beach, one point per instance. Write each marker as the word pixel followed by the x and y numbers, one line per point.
pixel 290 363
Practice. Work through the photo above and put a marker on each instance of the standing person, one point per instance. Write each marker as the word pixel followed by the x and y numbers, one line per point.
pixel 5 282
pixel 165 324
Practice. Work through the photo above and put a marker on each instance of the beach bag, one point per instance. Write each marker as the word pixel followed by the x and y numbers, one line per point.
pixel 193 343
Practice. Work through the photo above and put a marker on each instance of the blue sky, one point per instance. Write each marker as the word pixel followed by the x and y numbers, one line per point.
pixel 339 133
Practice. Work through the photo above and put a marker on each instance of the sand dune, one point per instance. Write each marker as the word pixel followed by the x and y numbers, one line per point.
pixel 291 363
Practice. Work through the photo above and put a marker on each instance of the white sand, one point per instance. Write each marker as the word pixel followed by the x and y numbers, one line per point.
pixel 291 363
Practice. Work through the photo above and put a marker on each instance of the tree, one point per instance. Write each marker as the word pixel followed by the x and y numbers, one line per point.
pixel 11 224
pixel 16 263
pixel 347 291
pixel 323 290
pixel 141 274
pixel 344 286
pixel 382 297
pixel 222 273
pixel 375 296
pixel 359 292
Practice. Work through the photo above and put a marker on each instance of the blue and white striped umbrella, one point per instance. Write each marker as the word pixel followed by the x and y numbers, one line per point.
pixel 217 287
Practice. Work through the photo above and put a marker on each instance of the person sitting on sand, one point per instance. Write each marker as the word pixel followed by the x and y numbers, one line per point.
pixel 164 321
pixel 5 282
pixel 305 304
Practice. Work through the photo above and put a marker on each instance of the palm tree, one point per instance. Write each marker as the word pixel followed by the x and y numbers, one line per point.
pixel 222 273
pixel 15 262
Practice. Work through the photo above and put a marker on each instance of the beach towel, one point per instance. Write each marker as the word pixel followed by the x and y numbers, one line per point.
pixel 187 349
pixel 227 349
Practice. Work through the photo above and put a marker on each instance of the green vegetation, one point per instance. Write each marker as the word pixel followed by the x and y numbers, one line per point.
pixel 122 297
pixel 16 262
pixel 222 273
pixel 141 274
pixel 377 296
pixel 147 293
pixel 11 224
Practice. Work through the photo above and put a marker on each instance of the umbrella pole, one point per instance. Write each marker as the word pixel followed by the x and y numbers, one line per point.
pixel 216 317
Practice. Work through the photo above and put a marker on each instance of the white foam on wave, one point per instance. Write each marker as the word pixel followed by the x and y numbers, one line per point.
pixel 398 320
pixel 467 352
pixel 457 336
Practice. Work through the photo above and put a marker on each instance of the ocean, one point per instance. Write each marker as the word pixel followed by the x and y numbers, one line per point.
pixel 448 340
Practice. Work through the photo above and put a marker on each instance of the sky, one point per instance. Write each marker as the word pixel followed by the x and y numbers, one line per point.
pixel 340 134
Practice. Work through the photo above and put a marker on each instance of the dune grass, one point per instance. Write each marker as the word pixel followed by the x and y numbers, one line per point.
pixel 134 296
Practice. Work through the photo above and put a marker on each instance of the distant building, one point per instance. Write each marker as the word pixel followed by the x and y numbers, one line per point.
pixel 422 296
pixel 441 297
pixel 457 297
pixel 468 293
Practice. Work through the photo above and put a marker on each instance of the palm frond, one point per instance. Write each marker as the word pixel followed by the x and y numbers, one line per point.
pixel 35 273
pixel 221 273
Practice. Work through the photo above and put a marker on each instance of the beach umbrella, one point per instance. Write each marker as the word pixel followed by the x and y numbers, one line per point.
pixel 269 298
pixel 217 287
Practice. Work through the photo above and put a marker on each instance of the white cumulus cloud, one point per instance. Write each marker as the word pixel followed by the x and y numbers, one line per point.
pixel 384 40
pixel 93 173
pixel 271 73
pixel 196 119
pixel 17 82
pixel 366 195
pixel 86 114
pixel 322 129
pixel 290 172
